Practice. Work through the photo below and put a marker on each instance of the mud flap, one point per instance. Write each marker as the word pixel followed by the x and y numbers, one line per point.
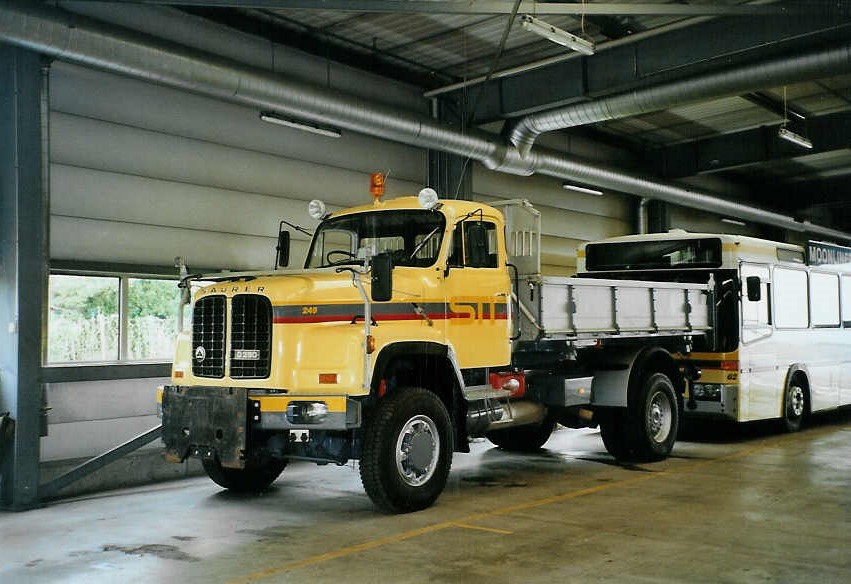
pixel 205 422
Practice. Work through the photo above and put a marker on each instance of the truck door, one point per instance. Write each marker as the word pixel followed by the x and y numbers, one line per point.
pixel 758 353
pixel 478 299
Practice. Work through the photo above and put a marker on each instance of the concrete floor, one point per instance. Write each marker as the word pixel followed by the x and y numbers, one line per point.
pixel 746 505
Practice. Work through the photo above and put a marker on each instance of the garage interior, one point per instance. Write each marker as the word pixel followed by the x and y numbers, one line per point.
pixel 132 135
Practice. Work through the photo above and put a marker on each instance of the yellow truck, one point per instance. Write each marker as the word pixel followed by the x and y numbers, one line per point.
pixel 416 324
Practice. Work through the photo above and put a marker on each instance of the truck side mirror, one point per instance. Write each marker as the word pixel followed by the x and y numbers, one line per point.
pixel 282 259
pixel 382 277
pixel 754 290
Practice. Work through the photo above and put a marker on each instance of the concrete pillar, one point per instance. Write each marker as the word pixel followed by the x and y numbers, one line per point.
pixel 450 175
pixel 23 273
pixel 658 217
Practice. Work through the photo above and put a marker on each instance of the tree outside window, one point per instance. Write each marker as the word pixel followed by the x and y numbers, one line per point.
pixel 111 318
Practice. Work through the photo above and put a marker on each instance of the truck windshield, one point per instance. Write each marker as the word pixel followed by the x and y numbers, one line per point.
pixel 654 255
pixel 411 237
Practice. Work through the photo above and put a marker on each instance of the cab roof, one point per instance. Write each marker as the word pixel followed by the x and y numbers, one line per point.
pixel 453 208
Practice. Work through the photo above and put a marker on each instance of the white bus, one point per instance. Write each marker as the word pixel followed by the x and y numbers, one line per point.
pixel 780 345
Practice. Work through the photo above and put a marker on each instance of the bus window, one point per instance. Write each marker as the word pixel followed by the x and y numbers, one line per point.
pixel 791 306
pixel 846 300
pixel 756 316
pixel 824 299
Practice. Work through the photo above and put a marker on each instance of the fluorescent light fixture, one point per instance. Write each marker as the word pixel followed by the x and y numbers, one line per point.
pixel 584 190
pixel 733 222
pixel 556 35
pixel 794 138
pixel 274 118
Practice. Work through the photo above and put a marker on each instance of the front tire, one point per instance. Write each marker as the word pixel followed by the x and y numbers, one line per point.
pixel 254 478
pixel 407 451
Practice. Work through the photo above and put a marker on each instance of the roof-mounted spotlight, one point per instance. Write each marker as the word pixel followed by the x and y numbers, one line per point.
pixel 556 35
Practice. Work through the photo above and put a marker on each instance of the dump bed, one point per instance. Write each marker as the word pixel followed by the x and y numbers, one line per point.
pixel 590 308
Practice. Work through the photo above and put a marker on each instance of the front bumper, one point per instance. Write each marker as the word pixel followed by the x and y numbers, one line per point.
pixel 218 422
pixel 713 400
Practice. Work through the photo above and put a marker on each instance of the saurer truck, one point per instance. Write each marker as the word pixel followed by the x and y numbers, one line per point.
pixel 415 325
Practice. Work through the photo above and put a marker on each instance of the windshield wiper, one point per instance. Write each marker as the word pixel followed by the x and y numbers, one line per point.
pixel 425 240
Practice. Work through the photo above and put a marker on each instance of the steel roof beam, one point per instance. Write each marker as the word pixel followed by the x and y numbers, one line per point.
pixel 501 7
pixel 713 44
pixel 750 147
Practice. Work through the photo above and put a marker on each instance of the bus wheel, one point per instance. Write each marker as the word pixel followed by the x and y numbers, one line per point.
pixel 653 419
pixel 407 451
pixel 254 478
pixel 527 438
pixel 794 407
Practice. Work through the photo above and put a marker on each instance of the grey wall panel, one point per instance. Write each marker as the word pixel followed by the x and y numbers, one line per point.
pixel 90 438
pixel 546 191
pixel 111 196
pixel 93 94
pixel 74 238
pixel 78 141
pixel 102 400
pixel 690 220
pixel 574 225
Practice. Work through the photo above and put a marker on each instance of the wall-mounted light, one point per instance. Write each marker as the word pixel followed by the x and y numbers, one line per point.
pixel 794 138
pixel 733 222
pixel 583 190
pixel 274 118
pixel 556 35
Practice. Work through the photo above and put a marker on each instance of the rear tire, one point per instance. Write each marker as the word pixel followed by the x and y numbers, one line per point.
pixel 407 451
pixel 527 438
pixel 254 478
pixel 653 419
pixel 794 407
pixel 613 431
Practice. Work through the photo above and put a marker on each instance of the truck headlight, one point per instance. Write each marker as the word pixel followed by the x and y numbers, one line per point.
pixel 304 412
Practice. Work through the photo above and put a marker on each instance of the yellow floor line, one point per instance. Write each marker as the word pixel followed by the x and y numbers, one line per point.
pixel 468 519
pixel 480 528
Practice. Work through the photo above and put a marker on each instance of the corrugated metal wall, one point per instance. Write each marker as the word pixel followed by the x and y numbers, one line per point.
pixel 149 173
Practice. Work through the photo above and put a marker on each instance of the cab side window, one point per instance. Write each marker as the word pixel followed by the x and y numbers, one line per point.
pixel 474 245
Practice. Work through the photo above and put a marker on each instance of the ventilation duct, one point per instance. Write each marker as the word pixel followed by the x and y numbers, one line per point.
pixel 794 69
pixel 85 42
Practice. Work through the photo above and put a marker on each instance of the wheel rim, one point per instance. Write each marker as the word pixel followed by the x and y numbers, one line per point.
pixel 417 450
pixel 659 417
pixel 795 407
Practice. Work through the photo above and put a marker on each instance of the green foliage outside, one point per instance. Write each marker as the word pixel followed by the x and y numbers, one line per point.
pixel 84 319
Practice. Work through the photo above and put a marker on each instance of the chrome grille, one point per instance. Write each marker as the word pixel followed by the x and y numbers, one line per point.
pixel 208 337
pixel 250 336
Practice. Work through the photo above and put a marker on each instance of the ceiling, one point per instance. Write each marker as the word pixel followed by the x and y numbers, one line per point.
pixel 474 57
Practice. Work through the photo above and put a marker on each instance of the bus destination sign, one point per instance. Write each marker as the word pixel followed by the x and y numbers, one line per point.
pixel 820 254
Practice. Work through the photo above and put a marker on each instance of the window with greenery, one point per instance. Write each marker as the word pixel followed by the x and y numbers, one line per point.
pixel 111 318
